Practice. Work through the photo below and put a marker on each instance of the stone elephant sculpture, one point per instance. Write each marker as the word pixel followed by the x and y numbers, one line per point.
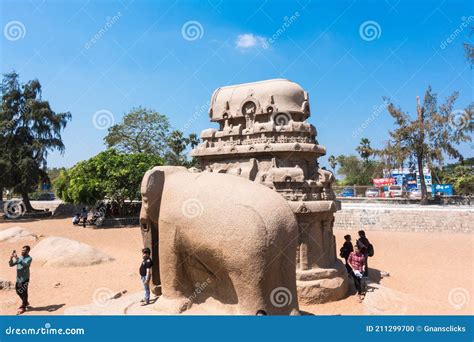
pixel 219 241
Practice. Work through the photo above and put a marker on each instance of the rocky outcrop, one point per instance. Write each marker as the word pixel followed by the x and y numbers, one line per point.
pixel 15 234
pixel 62 252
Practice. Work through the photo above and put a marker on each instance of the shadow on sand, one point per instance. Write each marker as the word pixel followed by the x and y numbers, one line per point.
pixel 374 277
pixel 48 308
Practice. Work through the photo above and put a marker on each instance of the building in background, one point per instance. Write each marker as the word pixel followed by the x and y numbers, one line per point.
pixel 408 178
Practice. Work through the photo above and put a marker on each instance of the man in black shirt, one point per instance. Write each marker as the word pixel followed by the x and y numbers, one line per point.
pixel 364 245
pixel 346 250
pixel 145 274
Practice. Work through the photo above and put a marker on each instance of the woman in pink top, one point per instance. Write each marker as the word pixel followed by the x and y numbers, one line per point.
pixel 356 261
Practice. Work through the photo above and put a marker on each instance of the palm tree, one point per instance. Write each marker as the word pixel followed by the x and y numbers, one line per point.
pixel 193 140
pixel 364 149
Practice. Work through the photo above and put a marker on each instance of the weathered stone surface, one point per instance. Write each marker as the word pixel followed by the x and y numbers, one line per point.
pixel 321 291
pixel 110 306
pixel 316 274
pixel 16 234
pixel 63 209
pixel 382 300
pixel 322 285
pixel 267 96
pixel 62 252
pixel 220 237
pixel 129 304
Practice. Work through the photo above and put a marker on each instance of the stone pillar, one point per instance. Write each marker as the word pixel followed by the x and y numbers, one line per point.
pixel 321 276
pixel 304 246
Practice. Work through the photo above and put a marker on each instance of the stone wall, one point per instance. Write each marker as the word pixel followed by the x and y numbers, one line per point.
pixel 405 218
pixel 120 222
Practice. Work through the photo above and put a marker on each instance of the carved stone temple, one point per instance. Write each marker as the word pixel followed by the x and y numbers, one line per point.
pixel 263 136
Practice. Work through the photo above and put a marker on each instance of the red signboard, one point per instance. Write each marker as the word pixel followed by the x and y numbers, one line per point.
pixel 383 181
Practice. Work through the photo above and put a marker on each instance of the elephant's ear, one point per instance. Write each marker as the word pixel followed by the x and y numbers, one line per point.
pixel 152 187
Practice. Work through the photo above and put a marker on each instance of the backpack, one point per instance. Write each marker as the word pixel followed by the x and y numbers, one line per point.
pixel 370 250
pixel 343 252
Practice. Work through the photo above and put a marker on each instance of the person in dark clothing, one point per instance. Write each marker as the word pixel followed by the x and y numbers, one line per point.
pixel 346 250
pixel 108 210
pixel 84 215
pixel 22 264
pixel 364 246
pixel 145 274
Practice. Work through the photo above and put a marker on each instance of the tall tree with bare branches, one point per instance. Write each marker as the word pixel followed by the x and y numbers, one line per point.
pixel 429 138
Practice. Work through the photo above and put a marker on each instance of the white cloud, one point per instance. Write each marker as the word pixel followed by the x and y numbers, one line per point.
pixel 249 40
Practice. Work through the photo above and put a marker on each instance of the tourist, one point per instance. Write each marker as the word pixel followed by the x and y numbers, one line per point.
pixel 261 313
pixel 145 274
pixel 76 219
pixel 346 250
pixel 108 210
pixel 96 214
pixel 365 248
pixel 357 262
pixel 22 264
pixel 84 217
pixel 102 210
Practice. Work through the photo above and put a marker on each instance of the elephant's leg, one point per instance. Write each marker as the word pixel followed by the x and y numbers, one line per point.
pixel 174 283
pixel 281 295
pixel 286 270
pixel 248 285
pixel 269 284
pixel 267 281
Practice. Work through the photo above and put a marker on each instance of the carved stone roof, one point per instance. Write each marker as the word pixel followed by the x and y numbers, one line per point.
pixel 263 97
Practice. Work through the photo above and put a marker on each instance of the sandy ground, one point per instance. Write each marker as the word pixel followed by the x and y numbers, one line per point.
pixel 430 273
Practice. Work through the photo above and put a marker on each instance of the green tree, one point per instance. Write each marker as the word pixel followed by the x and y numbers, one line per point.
pixel 460 175
pixel 364 149
pixel 142 130
pixel 432 135
pixel 110 174
pixel 61 184
pixel 357 171
pixel 53 173
pixel 193 140
pixel 4 166
pixel 30 129
pixel 332 163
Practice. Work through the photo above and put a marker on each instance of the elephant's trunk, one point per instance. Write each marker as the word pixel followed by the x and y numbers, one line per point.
pixel 151 190
pixel 149 230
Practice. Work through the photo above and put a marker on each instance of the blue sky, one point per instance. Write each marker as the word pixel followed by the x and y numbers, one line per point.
pixel 171 55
